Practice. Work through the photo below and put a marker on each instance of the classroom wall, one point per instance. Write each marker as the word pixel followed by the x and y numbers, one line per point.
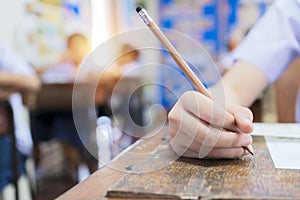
pixel 127 19
pixel 11 17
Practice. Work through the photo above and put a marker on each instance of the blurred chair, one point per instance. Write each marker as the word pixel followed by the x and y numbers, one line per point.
pixel 20 186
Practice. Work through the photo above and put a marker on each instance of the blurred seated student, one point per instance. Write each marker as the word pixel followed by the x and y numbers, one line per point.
pixel 128 60
pixel 124 65
pixel 77 48
pixel 15 76
pixel 60 125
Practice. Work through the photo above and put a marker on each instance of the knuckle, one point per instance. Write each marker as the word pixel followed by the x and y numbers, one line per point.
pixel 172 115
pixel 187 96
pixel 174 122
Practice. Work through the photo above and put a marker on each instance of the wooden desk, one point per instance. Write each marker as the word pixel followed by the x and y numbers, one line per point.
pixel 58 96
pixel 52 97
pixel 246 178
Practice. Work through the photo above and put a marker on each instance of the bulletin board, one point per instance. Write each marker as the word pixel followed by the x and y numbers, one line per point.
pixel 49 23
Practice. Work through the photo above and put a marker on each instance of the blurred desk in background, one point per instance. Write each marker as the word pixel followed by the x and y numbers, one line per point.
pixel 51 113
pixel 245 178
pixel 52 97
pixel 58 96
pixel 51 119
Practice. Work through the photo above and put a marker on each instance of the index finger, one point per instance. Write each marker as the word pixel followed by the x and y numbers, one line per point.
pixel 209 111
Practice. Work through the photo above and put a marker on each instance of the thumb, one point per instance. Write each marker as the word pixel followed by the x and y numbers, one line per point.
pixel 243 119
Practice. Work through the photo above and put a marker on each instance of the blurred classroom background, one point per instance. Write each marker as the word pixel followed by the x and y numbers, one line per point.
pixel 56 36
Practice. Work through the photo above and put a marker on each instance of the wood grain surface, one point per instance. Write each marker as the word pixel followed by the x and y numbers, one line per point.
pixel 245 178
pixel 146 170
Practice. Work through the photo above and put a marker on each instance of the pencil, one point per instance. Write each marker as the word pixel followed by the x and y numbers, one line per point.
pixel 175 55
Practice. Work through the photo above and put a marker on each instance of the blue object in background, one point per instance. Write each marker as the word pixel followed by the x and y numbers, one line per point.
pixel 73 6
pixel 166 2
pixel 233 6
pixel 171 18
pixel 213 35
pixel 209 10
pixel 262 8
pixel 167 23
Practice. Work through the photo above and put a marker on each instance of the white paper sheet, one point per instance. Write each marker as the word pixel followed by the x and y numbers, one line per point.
pixel 285 152
pixel 291 130
pixel 283 142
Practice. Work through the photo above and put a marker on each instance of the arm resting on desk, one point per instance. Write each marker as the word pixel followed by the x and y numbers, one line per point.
pixel 19 82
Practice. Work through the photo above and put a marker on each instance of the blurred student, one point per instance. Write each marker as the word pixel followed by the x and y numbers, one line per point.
pixel 127 64
pixel 124 65
pixel 272 44
pixel 15 76
pixel 60 125
pixel 128 60
pixel 77 48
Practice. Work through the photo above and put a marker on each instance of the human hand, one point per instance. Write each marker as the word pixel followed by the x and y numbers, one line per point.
pixel 200 128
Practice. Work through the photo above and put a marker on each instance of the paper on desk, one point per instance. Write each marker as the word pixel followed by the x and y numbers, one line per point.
pixel 283 142
pixel 291 130
pixel 285 152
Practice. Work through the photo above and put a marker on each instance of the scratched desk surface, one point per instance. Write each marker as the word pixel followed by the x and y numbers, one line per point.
pixel 245 178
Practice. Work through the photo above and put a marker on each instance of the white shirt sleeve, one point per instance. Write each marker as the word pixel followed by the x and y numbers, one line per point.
pixel 12 62
pixel 274 41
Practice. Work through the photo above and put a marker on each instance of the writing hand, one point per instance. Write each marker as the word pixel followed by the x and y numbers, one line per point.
pixel 200 128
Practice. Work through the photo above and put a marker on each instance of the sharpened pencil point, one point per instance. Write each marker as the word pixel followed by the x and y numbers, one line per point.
pixel 247 149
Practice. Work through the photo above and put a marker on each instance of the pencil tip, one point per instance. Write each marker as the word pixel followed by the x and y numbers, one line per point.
pixel 139 8
pixel 247 149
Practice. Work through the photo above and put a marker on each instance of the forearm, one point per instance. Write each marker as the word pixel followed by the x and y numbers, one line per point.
pixel 242 84
pixel 19 82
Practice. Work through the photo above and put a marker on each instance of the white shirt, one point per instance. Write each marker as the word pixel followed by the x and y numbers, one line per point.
pixel 11 62
pixel 274 42
pixel 60 73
